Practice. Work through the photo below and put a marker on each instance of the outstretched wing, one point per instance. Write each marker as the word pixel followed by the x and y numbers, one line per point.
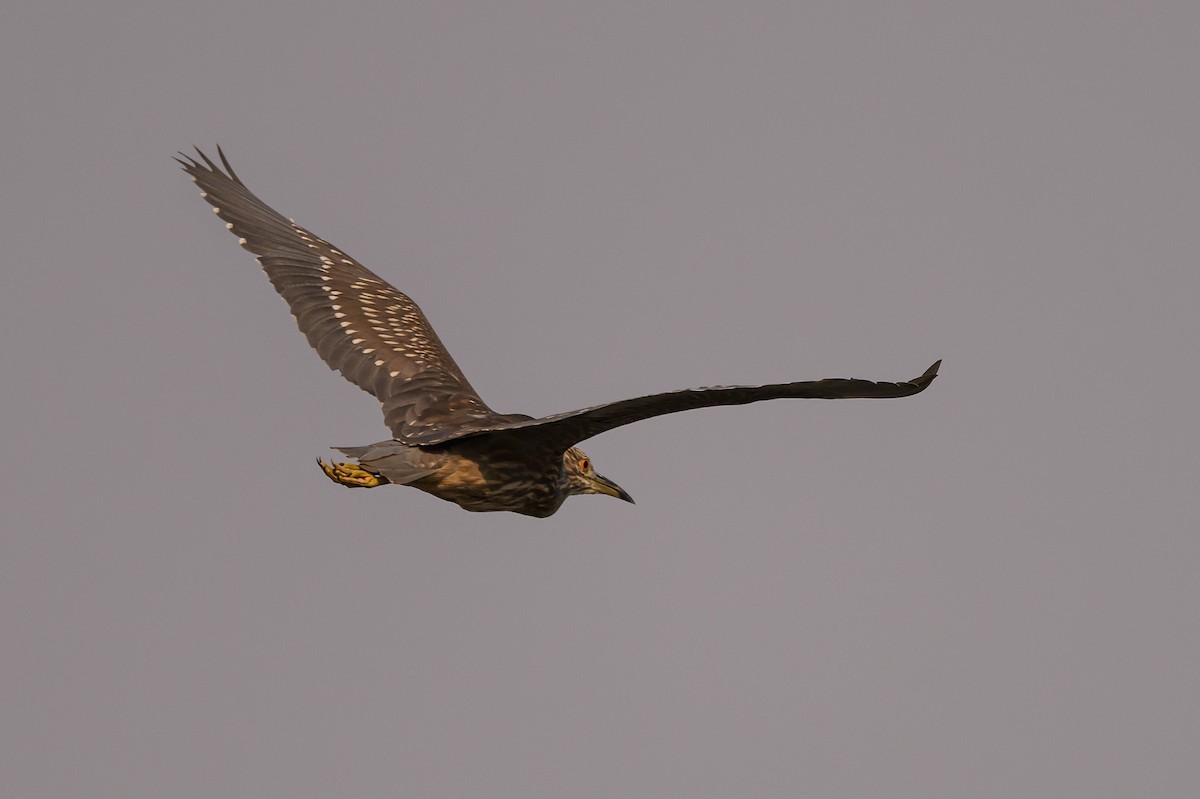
pixel 359 324
pixel 567 429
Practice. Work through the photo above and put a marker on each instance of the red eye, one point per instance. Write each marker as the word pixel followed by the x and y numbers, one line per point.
pixel 585 465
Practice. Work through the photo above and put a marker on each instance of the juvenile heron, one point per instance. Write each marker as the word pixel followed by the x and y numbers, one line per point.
pixel 445 440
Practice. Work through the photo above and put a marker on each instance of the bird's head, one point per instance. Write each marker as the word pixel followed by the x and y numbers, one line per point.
pixel 583 479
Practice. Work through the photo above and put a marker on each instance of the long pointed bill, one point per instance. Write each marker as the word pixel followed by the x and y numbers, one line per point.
pixel 603 485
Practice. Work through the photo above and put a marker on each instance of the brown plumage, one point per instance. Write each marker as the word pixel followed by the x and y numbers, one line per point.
pixel 445 439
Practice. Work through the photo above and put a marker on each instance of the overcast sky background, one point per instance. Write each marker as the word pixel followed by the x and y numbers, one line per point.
pixel 989 590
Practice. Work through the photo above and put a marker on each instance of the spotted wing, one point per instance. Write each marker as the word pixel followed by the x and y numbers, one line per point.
pixel 359 324
pixel 567 429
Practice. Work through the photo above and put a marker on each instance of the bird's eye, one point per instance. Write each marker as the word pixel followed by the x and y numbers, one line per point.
pixel 585 465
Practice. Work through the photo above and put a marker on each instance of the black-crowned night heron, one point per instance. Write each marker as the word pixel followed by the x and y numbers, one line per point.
pixel 445 439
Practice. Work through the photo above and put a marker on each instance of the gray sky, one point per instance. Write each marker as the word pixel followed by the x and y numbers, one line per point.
pixel 988 590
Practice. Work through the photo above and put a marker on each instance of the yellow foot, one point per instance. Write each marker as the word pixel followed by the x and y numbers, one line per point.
pixel 351 475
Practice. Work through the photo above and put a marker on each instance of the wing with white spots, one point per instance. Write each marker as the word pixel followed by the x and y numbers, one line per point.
pixel 359 324
pixel 567 429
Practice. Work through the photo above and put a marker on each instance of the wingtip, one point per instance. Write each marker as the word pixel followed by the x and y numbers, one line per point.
pixel 185 160
pixel 191 165
pixel 228 166
pixel 925 379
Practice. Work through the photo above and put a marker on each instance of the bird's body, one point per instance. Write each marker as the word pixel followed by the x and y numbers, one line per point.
pixel 445 440
pixel 532 480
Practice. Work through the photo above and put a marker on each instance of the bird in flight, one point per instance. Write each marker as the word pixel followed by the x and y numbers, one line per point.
pixel 445 440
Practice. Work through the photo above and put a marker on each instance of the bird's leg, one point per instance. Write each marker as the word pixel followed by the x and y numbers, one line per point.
pixel 351 475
